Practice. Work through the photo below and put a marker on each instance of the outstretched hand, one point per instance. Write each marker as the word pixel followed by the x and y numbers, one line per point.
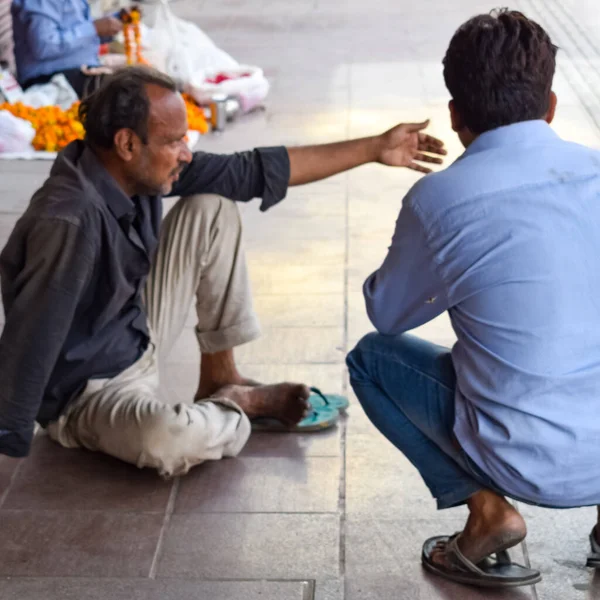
pixel 405 144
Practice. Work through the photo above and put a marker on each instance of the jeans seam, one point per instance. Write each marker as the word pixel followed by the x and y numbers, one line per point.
pixel 426 375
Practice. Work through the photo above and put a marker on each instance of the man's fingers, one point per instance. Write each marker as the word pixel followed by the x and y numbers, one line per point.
pixel 433 150
pixel 415 167
pixel 430 143
pixel 426 158
pixel 416 127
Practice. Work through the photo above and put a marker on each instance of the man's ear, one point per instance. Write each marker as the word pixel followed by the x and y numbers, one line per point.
pixel 551 108
pixel 455 118
pixel 126 144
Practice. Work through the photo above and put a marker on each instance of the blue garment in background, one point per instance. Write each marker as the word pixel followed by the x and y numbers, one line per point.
pixel 53 36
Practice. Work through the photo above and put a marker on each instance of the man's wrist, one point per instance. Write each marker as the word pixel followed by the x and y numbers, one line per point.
pixel 373 148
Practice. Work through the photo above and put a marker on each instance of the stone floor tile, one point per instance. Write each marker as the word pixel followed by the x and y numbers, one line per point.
pixel 300 310
pixel 413 583
pixel 278 345
pixel 7 223
pixel 304 201
pixel 385 488
pixel 377 546
pixel 331 589
pixel 146 589
pixel 294 445
pixel 8 466
pixel 558 545
pixel 296 279
pixel 297 252
pixel 56 478
pixel 77 544
pixel 254 546
pixel 256 485
pixel 273 229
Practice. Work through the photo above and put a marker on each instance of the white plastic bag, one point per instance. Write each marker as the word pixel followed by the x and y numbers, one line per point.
pixel 183 47
pixel 16 134
pixel 57 92
pixel 248 84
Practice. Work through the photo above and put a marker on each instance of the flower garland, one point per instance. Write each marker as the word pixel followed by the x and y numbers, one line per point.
pixel 56 128
pixel 195 115
pixel 131 29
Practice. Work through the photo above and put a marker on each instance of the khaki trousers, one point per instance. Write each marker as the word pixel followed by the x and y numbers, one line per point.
pixel 200 257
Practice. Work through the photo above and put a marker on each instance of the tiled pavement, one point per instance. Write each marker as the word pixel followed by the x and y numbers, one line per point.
pixel 330 516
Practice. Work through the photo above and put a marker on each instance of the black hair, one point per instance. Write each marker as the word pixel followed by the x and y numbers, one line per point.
pixel 499 69
pixel 121 102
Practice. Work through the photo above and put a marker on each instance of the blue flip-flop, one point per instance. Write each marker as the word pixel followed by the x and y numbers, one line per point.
pixel 318 419
pixel 318 400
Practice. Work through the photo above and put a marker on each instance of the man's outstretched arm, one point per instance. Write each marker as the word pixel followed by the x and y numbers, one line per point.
pixel 267 172
pixel 403 146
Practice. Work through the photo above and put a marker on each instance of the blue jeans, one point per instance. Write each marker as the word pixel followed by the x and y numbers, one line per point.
pixel 406 386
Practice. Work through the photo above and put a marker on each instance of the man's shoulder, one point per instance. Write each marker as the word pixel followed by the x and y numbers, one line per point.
pixel 440 189
pixel 482 176
pixel 64 197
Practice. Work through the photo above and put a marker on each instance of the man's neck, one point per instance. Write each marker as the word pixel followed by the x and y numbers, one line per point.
pixel 112 165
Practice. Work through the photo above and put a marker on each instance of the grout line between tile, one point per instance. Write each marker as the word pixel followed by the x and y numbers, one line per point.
pixel 309 590
pixel 163 530
pixel 9 487
pixel 344 432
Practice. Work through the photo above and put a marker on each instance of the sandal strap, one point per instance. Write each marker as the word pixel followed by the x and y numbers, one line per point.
pixel 460 561
pixel 503 558
pixel 320 393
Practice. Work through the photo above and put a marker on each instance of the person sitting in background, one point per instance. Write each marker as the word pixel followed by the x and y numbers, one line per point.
pixel 59 36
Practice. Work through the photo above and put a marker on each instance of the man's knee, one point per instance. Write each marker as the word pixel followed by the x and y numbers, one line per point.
pixel 211 207
pixel 179 437
pixel 357 362
pixel 162 442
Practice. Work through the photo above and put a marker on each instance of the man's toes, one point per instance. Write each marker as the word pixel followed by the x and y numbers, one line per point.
pixel 301 391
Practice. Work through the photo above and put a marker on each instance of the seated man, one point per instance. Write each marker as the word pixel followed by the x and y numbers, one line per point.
pixel 58 36
pixel 506 239
pixel 94 295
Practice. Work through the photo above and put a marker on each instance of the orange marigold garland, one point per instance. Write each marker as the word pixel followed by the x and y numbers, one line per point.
pixel 131 29
pixel 195 115
pixel 56 128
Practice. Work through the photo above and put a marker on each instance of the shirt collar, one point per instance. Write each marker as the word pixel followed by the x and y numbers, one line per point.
pixel 117 200
pixel 524 133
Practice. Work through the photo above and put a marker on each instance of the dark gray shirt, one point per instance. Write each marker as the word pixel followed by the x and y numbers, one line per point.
pixel 73 271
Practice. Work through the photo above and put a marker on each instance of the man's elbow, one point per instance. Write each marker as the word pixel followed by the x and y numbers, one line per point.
pixel 385 324
pixel 42 51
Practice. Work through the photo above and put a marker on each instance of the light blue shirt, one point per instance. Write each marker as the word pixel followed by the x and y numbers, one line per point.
pixel 52 36
pixel 507 239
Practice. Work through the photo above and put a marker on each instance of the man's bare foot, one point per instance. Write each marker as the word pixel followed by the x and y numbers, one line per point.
pixel 493 525
pixel 286 402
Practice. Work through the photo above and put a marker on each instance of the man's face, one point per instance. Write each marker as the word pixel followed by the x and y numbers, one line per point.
pixel 157 165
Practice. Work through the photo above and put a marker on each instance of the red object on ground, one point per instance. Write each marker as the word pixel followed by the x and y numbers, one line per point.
pixel 221 77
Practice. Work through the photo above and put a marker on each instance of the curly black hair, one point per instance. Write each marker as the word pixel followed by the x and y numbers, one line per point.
pixel 499 69
pixel 121 102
